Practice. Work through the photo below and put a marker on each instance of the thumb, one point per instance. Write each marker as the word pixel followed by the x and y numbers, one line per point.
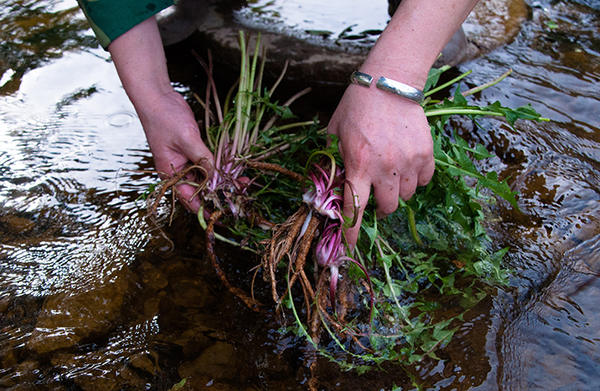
pixel 198 154
pixel 356 196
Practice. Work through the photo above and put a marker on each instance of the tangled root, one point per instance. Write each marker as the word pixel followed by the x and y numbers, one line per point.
pixel 210 249
pixel 297 264
pixel 292 239
pixel 155 196
pixel 337 323
pixel 280 245
pixel 285 240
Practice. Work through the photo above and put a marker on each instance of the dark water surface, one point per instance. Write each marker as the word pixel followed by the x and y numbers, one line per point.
pixel 91 298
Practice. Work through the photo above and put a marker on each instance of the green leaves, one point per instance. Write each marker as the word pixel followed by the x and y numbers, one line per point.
pixel 455 160
pixel 512 115
pixel 458 105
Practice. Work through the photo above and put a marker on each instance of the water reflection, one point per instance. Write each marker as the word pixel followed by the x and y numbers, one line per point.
pixel 33 32
pixel 68 136
pixel 70 226
pixel 547 324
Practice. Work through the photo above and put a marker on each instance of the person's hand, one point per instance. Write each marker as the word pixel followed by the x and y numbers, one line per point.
pixel 385 140
pixel 174 139
pixel 385 143
pixel 167 119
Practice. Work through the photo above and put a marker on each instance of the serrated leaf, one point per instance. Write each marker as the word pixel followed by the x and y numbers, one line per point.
pixel 459 100
pixel 433 77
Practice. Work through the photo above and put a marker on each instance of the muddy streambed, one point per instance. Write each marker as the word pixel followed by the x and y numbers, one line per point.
pixel 91 298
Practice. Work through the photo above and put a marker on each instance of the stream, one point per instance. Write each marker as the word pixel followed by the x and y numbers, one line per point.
pixel 93 297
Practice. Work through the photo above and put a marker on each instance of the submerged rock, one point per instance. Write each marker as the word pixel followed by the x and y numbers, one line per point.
pixel 16 225
pixel 68 317
pixel 129 360
pixel 218 362
pixel 552 342
pixel 24 374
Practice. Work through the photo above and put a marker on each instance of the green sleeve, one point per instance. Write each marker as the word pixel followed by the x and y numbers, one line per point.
pixel 111 18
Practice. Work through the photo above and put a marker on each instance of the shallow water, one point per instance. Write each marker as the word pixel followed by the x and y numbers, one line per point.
pixel 91 298
pixel 359 23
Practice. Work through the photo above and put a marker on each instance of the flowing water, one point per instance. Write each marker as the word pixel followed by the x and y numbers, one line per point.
pixel 92 298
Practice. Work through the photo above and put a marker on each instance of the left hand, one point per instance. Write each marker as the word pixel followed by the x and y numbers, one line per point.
pixel 175 142
pixel 168 121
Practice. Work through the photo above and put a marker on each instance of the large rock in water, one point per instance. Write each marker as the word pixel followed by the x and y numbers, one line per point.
pixel 71 316
pixel 315 60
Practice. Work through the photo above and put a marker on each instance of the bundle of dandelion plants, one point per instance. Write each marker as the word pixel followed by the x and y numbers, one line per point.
pixel 382 301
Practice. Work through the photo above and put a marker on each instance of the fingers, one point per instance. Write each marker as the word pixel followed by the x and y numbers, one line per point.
pixel 408 186
pixel 185 194
pixel 387 188
pixel 386 191
pixel 386 194
pixel 426 172
pixel 199 154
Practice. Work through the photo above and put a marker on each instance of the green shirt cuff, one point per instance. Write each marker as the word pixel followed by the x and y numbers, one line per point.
pixel 111 18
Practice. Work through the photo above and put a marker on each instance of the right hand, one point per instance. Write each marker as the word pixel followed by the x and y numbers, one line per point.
pixel 385 140
pixel 174 139
pixel 386 143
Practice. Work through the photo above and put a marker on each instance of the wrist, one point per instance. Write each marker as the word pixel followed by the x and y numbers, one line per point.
pixel 149 97
pixel 388 85
pixel 414 38
pixel 410 75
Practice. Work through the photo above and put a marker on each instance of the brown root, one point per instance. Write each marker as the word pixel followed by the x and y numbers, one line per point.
pixel 337 325
pixel 154 198
pixel 210 249
pixel 258 220
pixel 300 261
pixel 275 168
pixel 280 244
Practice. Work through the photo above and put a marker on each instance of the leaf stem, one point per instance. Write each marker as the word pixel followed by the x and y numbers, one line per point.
pixel 482 87
pixel 465 111
pixel 412 224
pixel 438 88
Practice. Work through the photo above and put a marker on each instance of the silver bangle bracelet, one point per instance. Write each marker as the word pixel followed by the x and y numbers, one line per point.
pixel 389 85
